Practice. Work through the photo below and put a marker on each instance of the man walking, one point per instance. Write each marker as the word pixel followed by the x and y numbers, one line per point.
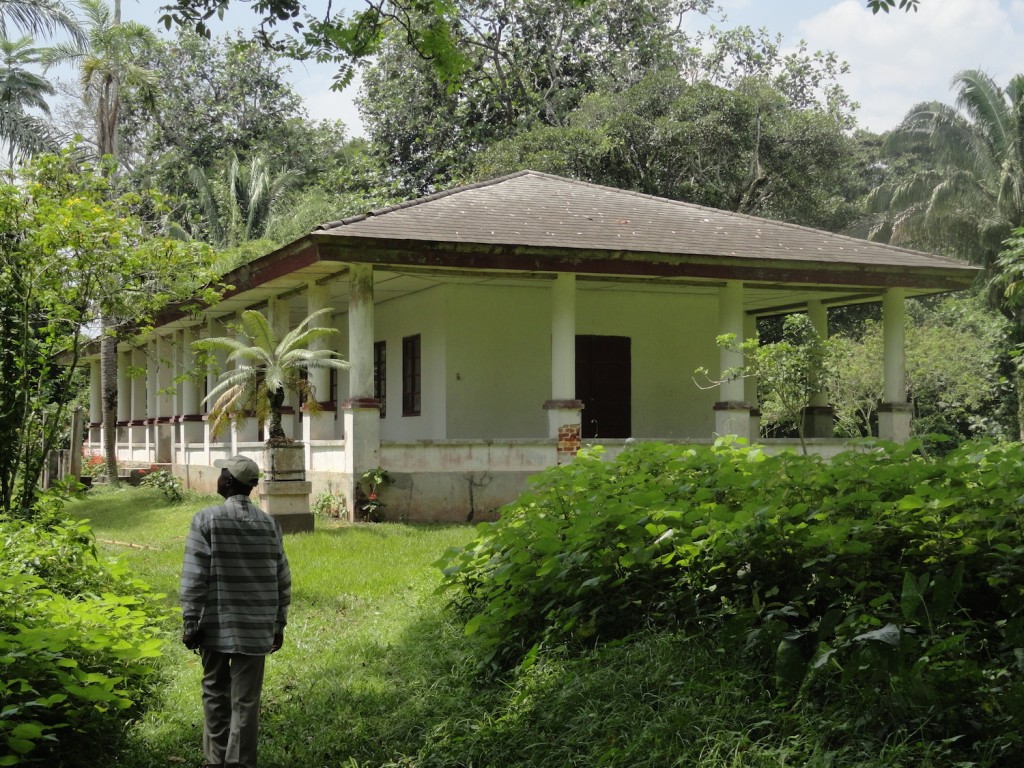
pixel 235 592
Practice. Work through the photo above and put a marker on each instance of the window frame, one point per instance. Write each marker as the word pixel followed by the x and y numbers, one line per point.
pixel 412 375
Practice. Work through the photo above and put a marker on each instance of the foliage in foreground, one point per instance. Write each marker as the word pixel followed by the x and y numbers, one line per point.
pixel 77 638
pixel 375 674
pixel 882 584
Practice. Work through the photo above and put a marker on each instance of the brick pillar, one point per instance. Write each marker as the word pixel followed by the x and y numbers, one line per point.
pixel 569 442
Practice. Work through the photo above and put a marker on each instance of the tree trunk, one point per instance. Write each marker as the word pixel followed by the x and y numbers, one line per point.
pixel 108 385
pixel 276 432
pixel 1018 380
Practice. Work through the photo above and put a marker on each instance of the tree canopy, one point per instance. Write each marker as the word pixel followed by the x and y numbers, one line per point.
pixel 432 28
pixel 71 254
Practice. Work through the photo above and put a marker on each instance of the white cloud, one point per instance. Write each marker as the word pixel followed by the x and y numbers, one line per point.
pixel 900 59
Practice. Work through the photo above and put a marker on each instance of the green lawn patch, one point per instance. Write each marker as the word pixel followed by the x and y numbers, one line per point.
pixel 377 672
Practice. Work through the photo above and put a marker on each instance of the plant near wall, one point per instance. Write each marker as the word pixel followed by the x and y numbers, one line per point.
pixel 329 505
pixel 264 369
pixel 169 485
pixel 370 483
pixel 789 372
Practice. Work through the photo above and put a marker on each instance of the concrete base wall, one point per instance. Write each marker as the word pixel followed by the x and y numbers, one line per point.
pixel 452 481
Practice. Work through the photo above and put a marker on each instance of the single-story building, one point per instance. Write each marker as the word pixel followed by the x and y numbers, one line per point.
pixel 494 328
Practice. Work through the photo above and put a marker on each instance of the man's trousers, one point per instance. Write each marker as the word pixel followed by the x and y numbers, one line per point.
pixel 231 705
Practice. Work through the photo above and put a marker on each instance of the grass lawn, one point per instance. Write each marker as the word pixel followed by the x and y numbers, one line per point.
pixel 363 614
pixel 375 673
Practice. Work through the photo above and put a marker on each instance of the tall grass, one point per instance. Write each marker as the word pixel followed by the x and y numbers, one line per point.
pixel 375 673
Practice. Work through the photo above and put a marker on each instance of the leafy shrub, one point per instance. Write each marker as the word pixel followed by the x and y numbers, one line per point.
pixel 165 482
pixel 77 638
pixel 881 581
pixel 329 505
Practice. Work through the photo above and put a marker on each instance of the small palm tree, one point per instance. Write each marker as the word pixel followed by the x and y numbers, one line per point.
pixel 240 207
pixel 264 369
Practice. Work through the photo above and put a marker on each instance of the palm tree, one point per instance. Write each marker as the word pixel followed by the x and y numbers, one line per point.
pixel 109 60
pixel 20 91
pixel 264 369
pixel 972 197
pixel 38 17
pixel 251 192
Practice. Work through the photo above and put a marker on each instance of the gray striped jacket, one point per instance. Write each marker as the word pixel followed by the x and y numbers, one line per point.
pixel 235 582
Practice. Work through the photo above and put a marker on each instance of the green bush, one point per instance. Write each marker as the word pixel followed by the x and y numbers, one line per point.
pixel 77 638
pixel 881 581
pixel 166 483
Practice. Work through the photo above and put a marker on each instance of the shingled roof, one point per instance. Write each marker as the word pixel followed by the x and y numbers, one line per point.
pixel 536 210
pixel 531 225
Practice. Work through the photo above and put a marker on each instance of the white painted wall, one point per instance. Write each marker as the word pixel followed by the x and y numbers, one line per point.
pixel 487 359
pixel 425 314
pixel 499 361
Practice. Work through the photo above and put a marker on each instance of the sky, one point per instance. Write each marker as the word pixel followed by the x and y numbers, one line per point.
pixel 896 60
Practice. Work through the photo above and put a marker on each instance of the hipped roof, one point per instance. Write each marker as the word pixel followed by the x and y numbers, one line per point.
pixel 531 211
pixel 531 225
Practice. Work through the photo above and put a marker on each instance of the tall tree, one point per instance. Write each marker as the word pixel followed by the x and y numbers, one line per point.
pixel 109 60
pixel 22 90
pixel 743 149
pixel 969 198
pixel 239 208
pixel 431 28
pixel 970 195
pixel 71 253
pixel 530 62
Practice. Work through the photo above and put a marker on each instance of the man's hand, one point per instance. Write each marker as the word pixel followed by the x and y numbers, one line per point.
pixel 278 642
pixel 192 637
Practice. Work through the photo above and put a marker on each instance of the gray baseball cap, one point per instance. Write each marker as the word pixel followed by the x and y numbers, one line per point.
pixel 242 468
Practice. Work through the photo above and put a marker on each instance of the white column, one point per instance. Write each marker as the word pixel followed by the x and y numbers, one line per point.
pixel 895 387
pixel 137 430
pixel 320 426
pixel 895 412
pixel 152 385
pixel 189 385
pixel 361 410
pixel 732 414
pixel 95 432
pixel 95 393
pixel 819 417
pixel 152 382
pixel 165 377
pixel 250 432
pixel 564 410
pixel 139 412
pixel 563 338
pixel 360 336
pixel 818 315
pixel 191 431
pixel 124 387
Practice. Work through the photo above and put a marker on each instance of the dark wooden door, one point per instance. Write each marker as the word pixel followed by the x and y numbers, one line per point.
pixel 604 384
